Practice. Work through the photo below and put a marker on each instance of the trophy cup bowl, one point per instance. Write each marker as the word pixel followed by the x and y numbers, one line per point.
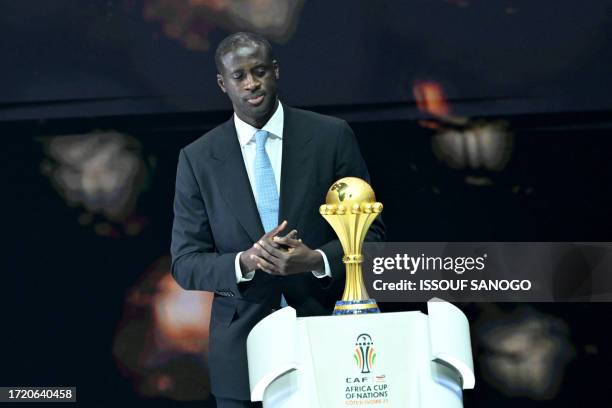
pixel 350 208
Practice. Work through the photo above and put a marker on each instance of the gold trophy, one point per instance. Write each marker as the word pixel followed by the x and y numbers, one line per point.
pixel 350 209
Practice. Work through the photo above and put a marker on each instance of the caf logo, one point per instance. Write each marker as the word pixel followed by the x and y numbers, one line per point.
pixel 365 353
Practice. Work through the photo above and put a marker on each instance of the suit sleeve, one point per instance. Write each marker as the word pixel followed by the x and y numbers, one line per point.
pixel 348 162
pixel 195 263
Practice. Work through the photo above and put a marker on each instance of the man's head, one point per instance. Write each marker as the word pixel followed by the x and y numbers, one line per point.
pixel 247 73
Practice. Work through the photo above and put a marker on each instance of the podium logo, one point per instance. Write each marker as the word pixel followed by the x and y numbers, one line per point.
pixel 365 353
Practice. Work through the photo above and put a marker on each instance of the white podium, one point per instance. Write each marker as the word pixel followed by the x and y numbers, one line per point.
pixel 406 359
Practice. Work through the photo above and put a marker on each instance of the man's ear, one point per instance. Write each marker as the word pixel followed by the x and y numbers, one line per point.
pixel 221 83
pixel 276 70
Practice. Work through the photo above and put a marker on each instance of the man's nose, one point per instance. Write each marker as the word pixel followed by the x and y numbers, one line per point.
pixel 251 83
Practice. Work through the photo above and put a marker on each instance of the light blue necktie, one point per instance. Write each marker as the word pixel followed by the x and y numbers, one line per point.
pixel 265 185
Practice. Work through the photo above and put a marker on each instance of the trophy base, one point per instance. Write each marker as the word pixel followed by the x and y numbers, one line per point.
pixel 347 307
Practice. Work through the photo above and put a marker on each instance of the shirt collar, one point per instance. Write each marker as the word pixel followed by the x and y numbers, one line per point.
pixel 274 126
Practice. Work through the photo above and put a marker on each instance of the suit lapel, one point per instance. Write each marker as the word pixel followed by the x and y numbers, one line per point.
pixel 298 159
pixel 233 181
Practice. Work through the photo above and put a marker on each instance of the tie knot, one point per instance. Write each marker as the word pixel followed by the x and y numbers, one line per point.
pixel 260 138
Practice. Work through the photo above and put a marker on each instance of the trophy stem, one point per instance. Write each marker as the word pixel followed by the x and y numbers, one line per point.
pixel 355 299
pixel 354 288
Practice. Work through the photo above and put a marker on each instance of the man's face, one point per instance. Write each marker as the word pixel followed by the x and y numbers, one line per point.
pixel 249 78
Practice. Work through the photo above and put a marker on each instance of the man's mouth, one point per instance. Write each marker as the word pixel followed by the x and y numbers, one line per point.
pixel 256 100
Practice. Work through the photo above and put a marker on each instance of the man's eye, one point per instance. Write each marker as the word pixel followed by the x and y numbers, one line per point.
pixel 237 75
pixel 261 71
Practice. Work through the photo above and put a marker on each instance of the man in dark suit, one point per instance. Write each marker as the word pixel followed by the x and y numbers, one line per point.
pixel 268 163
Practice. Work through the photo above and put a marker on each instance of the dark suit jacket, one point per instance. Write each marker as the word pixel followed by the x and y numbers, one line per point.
pixel 215 217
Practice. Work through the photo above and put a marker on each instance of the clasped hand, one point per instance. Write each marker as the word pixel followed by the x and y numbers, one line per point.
pixel 281 256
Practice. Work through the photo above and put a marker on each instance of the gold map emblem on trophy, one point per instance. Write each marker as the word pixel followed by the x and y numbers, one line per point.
pixel 350 208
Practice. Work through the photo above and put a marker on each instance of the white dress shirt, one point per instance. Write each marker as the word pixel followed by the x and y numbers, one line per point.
pixel 274 148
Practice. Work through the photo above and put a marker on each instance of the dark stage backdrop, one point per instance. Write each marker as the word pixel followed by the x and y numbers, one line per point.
pixel 115 57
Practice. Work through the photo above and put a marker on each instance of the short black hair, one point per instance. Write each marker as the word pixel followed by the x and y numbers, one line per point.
pixel 236 40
